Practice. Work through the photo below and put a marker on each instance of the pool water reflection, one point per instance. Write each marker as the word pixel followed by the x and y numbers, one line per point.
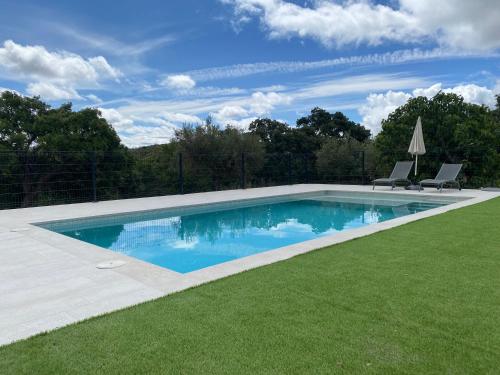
pixel 192 241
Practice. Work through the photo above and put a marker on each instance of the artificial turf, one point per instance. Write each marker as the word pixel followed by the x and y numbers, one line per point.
pixel 422 298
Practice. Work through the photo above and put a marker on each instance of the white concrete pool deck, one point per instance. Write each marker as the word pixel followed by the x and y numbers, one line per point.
pixel 48 280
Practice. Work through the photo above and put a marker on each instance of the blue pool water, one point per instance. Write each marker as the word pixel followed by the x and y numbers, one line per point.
pixel 192 239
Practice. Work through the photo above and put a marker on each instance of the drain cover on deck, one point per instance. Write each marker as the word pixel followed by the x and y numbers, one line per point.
pixel 20 229
pixel 110 264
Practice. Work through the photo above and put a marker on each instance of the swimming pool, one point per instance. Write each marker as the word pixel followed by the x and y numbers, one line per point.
pixel 191 238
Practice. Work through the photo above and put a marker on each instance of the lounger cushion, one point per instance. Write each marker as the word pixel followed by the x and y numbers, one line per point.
pixel 432 181
pixel 386 180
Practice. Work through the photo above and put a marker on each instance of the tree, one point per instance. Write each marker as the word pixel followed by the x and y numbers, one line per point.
pixel 18 121
pixel 344 160
pixel 62 129
pixel 28 124
pixel 496 111
pixel 280 138
pixel 454 132
pixel 323 124
pixel 303 141
pixel 155 170
pixel 50 150
pixel 275 135
pixel 212 156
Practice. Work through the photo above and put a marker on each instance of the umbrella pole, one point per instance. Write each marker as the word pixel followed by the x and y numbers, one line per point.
pixel 416 164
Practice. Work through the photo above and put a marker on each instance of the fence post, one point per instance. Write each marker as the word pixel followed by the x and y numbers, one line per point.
pixel 243 173
pixel 181 174
pixel 306 169
pixel 94 180
pixel 289 168
pixel 362 167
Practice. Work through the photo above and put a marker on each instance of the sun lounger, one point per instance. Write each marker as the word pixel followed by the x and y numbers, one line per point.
pixel 399 174
pixel 446 175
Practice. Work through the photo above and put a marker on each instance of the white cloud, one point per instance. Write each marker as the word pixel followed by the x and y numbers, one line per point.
pixel 207 91
pixel 263 103
pixel 471 93
pixel 103 69
pixel 35 62
pixel 242 112
pixel 136 131
pixel 233 115
pixel 379 106
pixel 462 24
pixel 139 136
pixel 428 92
pixel 356 84
pixel 110 45
pixel 179 82
pixel 242 123
pixel 50 91
pixel 141 122
pixel 332 23
pixel 54 75
pixel 229 112
pixel 496 89
pixel 236 110
pixel 94 98
pixel 117 119
pixel 475 94
pixel 180 117
pixel 395 57
pixel 453 23
pixel 200 92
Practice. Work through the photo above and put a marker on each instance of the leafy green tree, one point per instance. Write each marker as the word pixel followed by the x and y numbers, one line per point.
pixel 323 124
pixel 212 156
pixel 345 160
pixel 155 170
pixel 62 129
pixel 496 111
pixel 454 131
pixel 18 121
pixel 30 124
pixel 48 152
pixel 275 135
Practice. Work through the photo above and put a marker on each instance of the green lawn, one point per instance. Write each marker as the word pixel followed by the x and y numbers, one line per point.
pixel 421 298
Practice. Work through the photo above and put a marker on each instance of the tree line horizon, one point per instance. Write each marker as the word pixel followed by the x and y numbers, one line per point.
pixel 325 146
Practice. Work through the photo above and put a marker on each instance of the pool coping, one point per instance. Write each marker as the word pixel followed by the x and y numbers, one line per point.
pixel 61 295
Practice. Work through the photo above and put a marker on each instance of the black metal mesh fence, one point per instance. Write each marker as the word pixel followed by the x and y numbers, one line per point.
pixel 30 179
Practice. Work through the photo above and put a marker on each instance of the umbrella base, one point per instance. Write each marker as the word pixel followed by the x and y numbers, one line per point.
pixel 414 187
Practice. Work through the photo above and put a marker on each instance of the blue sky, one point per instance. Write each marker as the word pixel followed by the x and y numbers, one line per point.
pixel 151 66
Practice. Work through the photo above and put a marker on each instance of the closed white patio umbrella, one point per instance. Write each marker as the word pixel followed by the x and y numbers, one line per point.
pixel 417 146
